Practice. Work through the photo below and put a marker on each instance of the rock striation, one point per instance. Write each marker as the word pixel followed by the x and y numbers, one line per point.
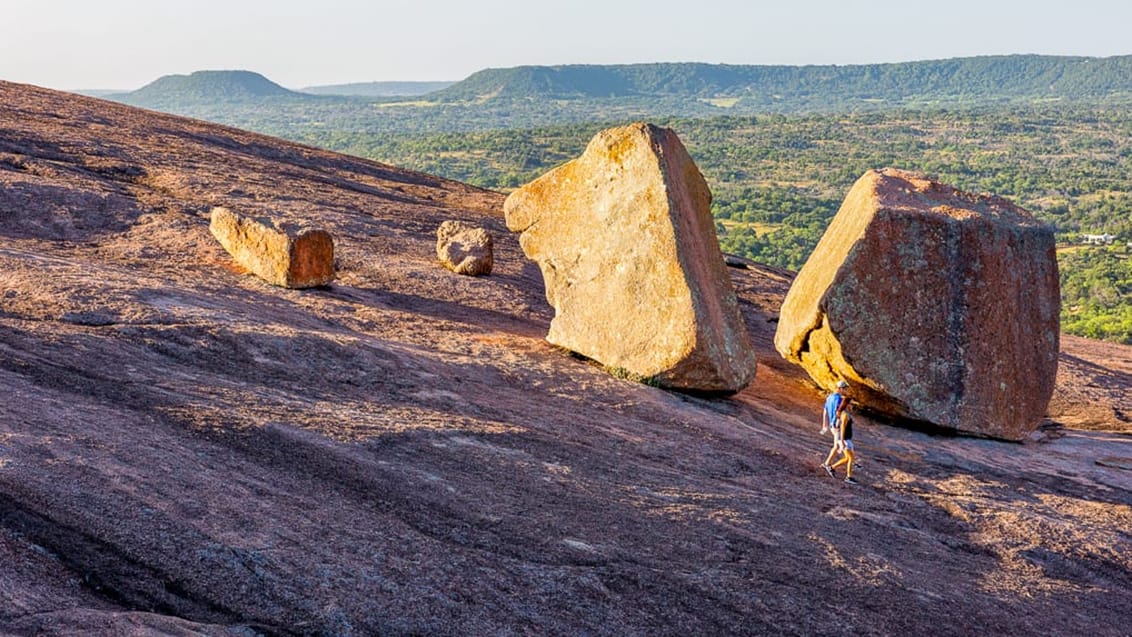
pixel 280 254
pixel 934 304
pixel 464 248
pixel 626 244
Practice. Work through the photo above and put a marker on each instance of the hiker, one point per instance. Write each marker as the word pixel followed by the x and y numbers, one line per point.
pixel 845 441
pixel 833 405
pixel 831 421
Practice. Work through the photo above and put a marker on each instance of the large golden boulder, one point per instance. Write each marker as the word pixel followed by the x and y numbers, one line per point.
pixel 627 247
pixel 934 304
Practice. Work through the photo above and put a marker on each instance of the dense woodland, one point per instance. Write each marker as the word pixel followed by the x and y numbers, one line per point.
pixel 778 178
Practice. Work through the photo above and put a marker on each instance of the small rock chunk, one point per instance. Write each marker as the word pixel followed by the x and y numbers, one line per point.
pixel 281 254
pixel 464 248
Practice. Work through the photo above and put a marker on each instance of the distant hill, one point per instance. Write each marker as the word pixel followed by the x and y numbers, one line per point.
pixel 205 87
pixel 97 92
pixel 989 77
pixel 538 96
pixel 378 89
pixel 683 89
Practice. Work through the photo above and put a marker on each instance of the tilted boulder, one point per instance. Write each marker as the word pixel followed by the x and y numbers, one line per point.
pixel 281 254
pixel 464 248
pixel 934 304
pixel 627 247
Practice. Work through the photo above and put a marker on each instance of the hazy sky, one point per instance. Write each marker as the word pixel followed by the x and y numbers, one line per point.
pixel 124 44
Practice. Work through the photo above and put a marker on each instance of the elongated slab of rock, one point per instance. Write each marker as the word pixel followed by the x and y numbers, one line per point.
pixel 627 247
pixel 464 248
pixel 280 254
pixel 934 304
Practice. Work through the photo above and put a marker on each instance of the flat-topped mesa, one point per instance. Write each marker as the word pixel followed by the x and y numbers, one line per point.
pixel 934 304
pixel 281 254
pixel 627 247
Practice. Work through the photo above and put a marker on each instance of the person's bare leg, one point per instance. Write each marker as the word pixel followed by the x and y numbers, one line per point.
pixel 847 460
pixel 832 453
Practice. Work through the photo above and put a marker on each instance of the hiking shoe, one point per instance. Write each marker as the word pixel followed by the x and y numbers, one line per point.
pixel 828 469
pixel 848 480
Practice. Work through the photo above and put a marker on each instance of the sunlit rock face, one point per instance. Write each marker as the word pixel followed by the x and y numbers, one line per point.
pixel 627 247
pixel 281 254
pixel 934 304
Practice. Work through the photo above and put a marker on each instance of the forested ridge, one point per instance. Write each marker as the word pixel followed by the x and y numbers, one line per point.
pixel 761 86
pixel 502 97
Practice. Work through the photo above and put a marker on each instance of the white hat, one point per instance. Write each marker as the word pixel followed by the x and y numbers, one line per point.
pixel 842 384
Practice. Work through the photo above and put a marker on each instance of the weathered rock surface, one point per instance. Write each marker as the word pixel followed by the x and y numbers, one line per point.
pixel 935 304
pixel 279 253
pixel 464 248
pixel 627 247
pixel 402 453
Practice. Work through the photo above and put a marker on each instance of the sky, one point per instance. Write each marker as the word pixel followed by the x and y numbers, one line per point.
pixel 125 44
